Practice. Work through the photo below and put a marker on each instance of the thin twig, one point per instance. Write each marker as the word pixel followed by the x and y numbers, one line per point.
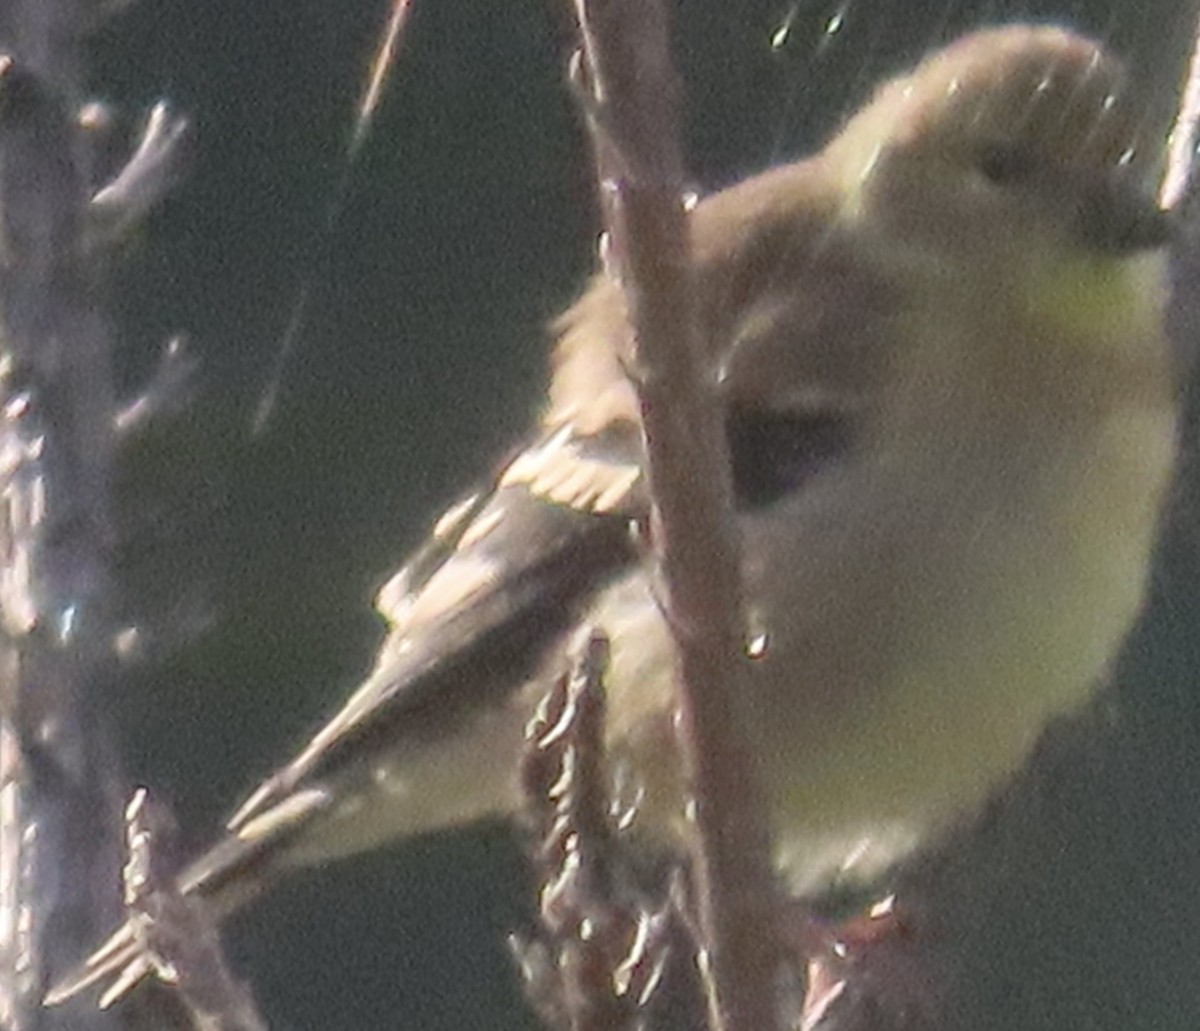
pixel 608 954
pixel 632 99
pixel 178 942
pixel 1181 143
pixel 364 120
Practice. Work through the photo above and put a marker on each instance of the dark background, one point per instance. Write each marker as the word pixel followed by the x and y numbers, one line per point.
pixel 251 560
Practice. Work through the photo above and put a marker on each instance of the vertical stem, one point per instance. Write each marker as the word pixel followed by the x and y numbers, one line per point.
pixel 59 800
pixel 633 118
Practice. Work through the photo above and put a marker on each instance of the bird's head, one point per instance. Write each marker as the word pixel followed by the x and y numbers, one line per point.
pixel 1014 138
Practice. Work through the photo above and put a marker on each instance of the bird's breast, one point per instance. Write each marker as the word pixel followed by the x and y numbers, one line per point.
pixel 910 644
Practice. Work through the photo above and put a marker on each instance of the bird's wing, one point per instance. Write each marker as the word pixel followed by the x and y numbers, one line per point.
pixel 501 574
pixel 502 570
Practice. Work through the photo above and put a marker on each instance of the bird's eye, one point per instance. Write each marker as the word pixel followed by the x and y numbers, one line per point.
pixel 1006 163
pixel 775 453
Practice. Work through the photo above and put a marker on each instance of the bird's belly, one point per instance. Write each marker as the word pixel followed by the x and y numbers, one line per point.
pixel 904 678
pixel 1007 620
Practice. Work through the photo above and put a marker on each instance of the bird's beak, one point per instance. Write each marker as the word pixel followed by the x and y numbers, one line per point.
pixel 1117 216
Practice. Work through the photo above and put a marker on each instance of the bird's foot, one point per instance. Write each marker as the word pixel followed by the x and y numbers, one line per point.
pixel 863 971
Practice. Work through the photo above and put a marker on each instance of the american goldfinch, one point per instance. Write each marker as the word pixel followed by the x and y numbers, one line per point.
pixel 952 417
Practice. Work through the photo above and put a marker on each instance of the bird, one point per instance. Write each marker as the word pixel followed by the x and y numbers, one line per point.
pixel 951 411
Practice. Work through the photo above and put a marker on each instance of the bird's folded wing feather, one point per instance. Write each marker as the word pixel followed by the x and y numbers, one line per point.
pixel 501 573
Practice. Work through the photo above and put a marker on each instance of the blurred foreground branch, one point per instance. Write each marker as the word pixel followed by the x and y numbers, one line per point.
pixel 60 785
pixel 59 796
